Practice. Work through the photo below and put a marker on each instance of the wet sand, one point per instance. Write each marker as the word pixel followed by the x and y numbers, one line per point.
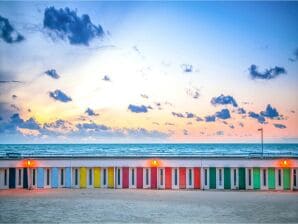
pixel 146 206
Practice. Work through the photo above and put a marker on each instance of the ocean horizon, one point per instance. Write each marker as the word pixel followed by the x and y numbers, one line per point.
pixel 150 149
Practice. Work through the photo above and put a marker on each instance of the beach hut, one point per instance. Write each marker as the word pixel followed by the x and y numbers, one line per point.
pixel 90 177
pixel 168 178
pixel 75 180
pixel 190 178
pixel 104 177
pixel 140 178
pixel 295 178
pixel 161 178
pixel 219 178
pixel 264 178
pixel 146 177
pixel 205 178
pixel 97 177
pixel 118 181
pixel 182 177
pixel 249 178
pixel 132 177
pixel 234 178
pixel 4 178
pixel 175 178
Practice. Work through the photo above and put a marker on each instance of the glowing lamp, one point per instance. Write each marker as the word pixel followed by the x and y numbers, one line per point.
pixel 28 163
pixel 154 163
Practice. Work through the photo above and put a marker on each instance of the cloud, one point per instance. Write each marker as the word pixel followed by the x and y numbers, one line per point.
pixel 210 118
pixel 241 124
pixel 15 122
pixel 268 74
pixel 281 126
pixel 270 112
pixel 185 132
pixel 144 133
pixel 198 119
pixel 177 114
pixel 60 96
pixel 106 78
pixel 14 96
pixel 187 68
pixel 193 92
pixel 186 115
pixel 66 24
pixel 9 81
pixel 295 56
pixel 90 112
pixel 241 111
pixel 8 32
pixel 93 127
pixel 219 133
pixel 52 73
pixel 144 96
pixel 232 126
pixel 260 118
pixel 223 114
pixel 138 109
pixel 168 123
pixel 224 100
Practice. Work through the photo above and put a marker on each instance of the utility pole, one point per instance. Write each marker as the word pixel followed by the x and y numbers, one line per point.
pixel 262 140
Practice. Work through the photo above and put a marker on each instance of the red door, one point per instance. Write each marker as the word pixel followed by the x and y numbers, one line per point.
pixel 125 177
pixel 139 177
pixel 182 177
pixel 168 171
pixel 197 174
pixel 153 178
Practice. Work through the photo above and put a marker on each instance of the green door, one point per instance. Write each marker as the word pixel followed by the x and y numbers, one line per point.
pixel 212 177
pixel 227 178
pixel 287 179
pixel 241 173
pixel 257 178
pixel 271 178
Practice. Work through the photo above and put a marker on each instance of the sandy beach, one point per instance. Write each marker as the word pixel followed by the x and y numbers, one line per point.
pixel 146 206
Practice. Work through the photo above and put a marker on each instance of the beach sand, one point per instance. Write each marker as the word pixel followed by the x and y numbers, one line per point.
pixel 150 206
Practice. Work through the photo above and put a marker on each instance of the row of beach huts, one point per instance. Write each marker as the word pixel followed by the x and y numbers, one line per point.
pixel 229 173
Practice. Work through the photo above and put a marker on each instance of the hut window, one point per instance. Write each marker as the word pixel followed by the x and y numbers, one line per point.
pixel 19 177
pixel 33 177
pixel 132 176
pixel 279 177
pixel 48 177
pixel 118 176
pixel 104 176
pixel 147 177
pixel 62 177
pixel 206 177
pixel 5 177
pixel 295 177
pixel 264 178
pixel 249 177
pixel 176 177
pixel 76 176
pixel 190 177
pixel 90 176
pixel 161 177
pixel 235 177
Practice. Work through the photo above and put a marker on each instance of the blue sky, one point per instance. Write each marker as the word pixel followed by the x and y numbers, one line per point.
pixel 148 71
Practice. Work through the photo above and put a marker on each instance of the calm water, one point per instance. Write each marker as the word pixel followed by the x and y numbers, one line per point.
pixel 147 149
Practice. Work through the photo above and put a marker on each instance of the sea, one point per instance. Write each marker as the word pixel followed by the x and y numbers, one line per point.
pixel 149 150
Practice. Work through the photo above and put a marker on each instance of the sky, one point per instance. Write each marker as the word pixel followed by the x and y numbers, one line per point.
pixel 142 72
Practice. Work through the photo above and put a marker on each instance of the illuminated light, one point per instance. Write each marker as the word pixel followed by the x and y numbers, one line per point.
pixel 29 163
pixel 154 163
pixel 285 162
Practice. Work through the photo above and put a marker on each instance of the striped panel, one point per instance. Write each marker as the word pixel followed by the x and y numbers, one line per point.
pixel 54 177
pixel 182 177
pixel 227 178
pixel 168 172
pixel 212 177
pixel 68 177
pixel 83 177
pixel 139 177
pixel 25 178
pixel 153 178
pixel 111 177
pixel 271 178
pixel 287 179
pixel 97 177
pixel 125 177
pixel 197 178
pixel 40 177
pixel 241 173
pixel 256 178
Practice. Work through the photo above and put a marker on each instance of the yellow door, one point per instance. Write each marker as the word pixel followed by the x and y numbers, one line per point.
pixel 111 177
pixel 83 177
pixel 96 177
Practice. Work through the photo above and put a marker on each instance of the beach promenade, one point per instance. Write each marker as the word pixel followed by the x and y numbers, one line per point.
pixel 146 206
